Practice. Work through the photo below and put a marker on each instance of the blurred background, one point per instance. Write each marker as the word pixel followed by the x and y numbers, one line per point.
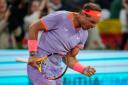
pixel 106 47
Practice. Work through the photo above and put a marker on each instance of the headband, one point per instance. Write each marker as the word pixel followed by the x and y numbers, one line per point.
pixel 92 13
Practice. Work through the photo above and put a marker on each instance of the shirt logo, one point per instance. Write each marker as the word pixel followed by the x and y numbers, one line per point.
pixel 77 37
pixel 65 29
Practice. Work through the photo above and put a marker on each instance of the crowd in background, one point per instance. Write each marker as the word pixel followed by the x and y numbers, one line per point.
pixel 17 15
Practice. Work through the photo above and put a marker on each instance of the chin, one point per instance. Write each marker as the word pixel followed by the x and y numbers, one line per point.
pixel 85 28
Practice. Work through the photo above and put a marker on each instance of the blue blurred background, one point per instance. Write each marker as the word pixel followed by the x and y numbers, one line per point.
pixel 106 48
pixel 111 67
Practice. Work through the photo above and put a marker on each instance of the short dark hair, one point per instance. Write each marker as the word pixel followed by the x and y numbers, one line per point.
pixel 91 6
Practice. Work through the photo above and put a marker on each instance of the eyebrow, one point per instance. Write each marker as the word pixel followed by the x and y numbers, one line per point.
pixel 88 15
pixel 92 21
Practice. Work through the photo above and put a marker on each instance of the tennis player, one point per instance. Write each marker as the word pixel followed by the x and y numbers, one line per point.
pixel 64 34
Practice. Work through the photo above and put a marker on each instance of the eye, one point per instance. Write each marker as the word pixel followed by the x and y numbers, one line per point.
pixel 87 15
pixel 93 22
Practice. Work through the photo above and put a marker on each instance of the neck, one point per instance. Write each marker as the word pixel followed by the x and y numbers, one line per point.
pixel 75 21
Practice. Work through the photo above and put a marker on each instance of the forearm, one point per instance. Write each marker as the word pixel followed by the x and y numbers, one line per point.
pixel 70 60
pixel 32 39
pixel 73 63
pixel 33 33
pixel 43 4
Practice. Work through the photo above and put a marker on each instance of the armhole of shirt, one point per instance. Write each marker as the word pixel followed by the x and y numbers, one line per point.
pixel 44 25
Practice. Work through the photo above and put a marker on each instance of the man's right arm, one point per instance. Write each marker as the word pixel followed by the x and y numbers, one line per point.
pixel 33 35
pixel 32 41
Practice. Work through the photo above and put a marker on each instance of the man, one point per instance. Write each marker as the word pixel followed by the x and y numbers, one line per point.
pixel 64 34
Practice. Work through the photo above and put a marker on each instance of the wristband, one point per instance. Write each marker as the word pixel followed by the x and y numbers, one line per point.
pixel 32 45
pixel 79 68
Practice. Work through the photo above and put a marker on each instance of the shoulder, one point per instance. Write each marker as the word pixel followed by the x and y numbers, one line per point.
pixel 57 14
pixel 84 35
pixel 61 12
pixel 84 32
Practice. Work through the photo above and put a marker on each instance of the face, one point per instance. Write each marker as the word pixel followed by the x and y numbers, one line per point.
pixel 34 6
pixel 3 5
pixel 87 21
pixel 56 2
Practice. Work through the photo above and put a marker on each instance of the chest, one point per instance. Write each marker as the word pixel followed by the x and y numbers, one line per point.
pixel 68 34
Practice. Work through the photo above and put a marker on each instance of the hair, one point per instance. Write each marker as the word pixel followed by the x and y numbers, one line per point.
pixel 91 6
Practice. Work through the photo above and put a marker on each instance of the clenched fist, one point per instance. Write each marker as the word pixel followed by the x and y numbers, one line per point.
pixel 89 71
pixel 37 62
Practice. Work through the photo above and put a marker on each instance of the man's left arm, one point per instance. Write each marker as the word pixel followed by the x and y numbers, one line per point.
pixel 74 64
